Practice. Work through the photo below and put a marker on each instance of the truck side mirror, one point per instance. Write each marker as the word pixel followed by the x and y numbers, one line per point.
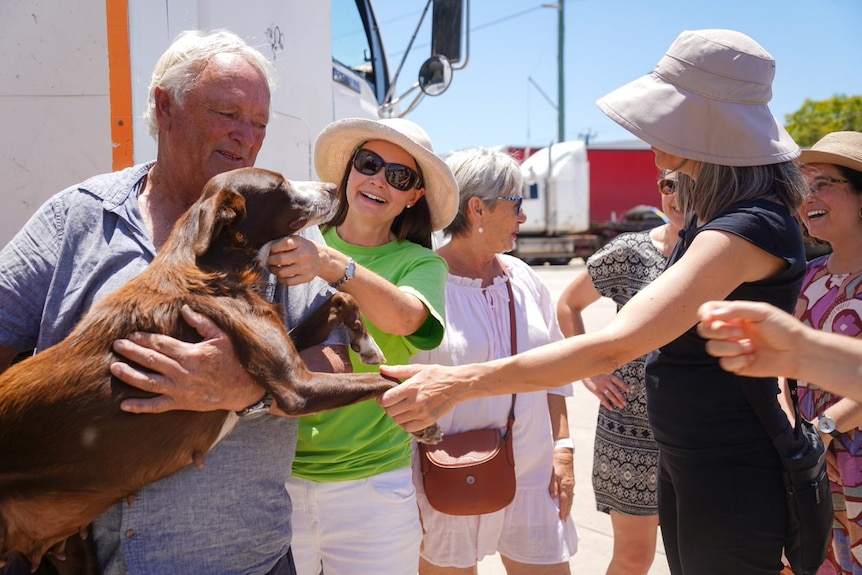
pixel 435 75
pixel 446 29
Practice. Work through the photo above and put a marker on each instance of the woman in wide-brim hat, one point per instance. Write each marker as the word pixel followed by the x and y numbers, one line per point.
pixel 704 111
pixel 351 476
pixel 831 300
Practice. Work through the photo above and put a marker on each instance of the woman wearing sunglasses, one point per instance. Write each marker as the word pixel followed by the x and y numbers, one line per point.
pixel 354 505
pixel 534 533
pixel 625 454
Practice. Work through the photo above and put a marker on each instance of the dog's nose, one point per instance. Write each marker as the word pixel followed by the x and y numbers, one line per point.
pixel 330 189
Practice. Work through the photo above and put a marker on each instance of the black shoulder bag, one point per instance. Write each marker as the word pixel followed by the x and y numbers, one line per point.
pixel 809 502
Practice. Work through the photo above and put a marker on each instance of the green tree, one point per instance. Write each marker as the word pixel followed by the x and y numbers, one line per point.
pixel 816 119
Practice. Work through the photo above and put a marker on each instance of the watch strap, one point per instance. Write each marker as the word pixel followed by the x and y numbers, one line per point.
pixel 259 408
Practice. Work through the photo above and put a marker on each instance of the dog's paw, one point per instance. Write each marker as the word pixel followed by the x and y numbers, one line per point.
pixel 368 350
pixel 429 435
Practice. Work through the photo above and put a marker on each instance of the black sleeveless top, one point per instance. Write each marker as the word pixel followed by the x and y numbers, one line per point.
pixel 692 403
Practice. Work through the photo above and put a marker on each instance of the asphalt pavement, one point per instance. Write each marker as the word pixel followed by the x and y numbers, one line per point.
pixel 596 544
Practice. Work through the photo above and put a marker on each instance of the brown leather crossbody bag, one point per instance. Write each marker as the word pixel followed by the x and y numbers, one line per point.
pixel 472 472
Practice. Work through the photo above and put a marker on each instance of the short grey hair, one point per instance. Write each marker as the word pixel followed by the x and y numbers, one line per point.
pixel 485 174
pixel 177 70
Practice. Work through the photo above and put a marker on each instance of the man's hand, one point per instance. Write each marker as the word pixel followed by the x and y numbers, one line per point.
pixel 204 376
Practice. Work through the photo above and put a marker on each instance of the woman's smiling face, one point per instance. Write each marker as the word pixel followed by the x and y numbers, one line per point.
pixel 371 196
pixel 831 208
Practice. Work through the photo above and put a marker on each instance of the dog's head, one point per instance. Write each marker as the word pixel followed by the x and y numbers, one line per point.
pixel 252 206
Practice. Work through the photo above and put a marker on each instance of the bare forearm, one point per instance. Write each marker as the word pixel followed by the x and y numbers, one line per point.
pixel 559 416
pixel 386 306
pixel 829 360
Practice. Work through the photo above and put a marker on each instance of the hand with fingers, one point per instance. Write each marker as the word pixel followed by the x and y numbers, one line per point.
pixel 295 260
pixel 203 376
pixel 610 389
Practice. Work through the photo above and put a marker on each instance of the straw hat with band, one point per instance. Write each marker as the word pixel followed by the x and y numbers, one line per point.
pixel 706 100
pixel 838 148
pixel 337 143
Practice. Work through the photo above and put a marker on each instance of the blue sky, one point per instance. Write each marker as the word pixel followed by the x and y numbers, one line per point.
pixel 817 45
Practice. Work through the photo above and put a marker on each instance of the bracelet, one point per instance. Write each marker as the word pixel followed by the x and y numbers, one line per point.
pixel 349 272
pixel 564 443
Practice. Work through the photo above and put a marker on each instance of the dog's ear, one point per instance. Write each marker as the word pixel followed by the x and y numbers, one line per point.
pixel 213 214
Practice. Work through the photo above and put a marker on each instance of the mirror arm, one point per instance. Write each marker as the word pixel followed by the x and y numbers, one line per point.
pixel 386 101
pixel 466 38
pixel 415 101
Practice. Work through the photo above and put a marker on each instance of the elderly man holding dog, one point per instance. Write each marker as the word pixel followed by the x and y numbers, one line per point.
pixel 209 105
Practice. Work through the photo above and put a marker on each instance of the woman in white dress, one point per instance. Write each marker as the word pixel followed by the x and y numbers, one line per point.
pixel 534 533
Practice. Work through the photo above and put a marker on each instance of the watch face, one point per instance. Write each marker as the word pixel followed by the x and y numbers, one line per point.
pixel 825 424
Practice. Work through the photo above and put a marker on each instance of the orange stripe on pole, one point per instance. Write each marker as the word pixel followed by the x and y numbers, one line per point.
pixel 120 83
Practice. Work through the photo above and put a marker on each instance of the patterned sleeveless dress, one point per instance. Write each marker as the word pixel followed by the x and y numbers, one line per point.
pixel 833 302
pixel 625 454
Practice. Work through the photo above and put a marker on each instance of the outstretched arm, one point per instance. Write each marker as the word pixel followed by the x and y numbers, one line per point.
pixel 714 265
pixel 759 340
pixel 580 293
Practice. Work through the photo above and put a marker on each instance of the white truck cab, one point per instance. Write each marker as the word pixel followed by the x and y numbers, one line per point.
pixel 73 85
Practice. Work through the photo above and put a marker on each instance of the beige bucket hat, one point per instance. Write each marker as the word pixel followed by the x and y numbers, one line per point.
pixel 706 100
pixel 838 148
pixel 337 143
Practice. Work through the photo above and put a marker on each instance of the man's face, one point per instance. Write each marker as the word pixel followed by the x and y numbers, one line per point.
pixel 221 125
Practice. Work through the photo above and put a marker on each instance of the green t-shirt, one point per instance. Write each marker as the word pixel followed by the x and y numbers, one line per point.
pixel 360 440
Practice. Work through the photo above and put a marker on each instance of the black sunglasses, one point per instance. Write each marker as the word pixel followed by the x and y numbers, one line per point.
pixel 398 176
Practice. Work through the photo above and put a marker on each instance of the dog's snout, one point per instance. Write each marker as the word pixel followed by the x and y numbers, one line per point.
pixel 330 189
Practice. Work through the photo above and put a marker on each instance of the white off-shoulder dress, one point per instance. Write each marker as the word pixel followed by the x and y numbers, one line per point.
pixel 529 529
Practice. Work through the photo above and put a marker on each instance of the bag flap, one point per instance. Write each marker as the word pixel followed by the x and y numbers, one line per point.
pixel 465 449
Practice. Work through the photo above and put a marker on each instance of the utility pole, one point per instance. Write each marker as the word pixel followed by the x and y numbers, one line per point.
pixel 561 79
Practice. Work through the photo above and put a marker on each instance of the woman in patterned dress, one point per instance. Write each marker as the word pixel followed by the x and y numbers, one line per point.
pixel 831 300
pixel 625 454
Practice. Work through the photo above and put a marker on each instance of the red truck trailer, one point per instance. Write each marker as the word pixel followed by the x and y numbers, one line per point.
pixel 579 196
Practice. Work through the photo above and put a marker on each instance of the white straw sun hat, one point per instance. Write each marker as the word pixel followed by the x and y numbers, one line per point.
pixel 706 100
pixel 337 143
pixel 838 148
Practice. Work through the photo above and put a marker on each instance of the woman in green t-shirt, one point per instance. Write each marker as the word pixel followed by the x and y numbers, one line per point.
pixel 354 503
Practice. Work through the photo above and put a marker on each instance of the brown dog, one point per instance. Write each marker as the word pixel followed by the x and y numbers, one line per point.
pixel 67 452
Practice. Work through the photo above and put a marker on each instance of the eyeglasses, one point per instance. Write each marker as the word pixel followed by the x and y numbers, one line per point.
pixel 518 201
pixel 822 183
pixel 667 187
pixel 398 176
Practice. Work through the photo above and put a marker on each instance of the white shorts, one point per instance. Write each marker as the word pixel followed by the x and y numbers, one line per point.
pixel 362 527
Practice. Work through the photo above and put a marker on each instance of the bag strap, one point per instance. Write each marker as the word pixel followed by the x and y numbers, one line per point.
pixel 514 335
pixel 767 420
pixel 794 398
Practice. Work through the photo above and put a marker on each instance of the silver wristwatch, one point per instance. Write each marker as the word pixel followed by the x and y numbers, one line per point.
pixel 349 272
pixel 826 424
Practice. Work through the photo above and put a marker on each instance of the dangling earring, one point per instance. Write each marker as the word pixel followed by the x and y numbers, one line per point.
pixel 481 230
